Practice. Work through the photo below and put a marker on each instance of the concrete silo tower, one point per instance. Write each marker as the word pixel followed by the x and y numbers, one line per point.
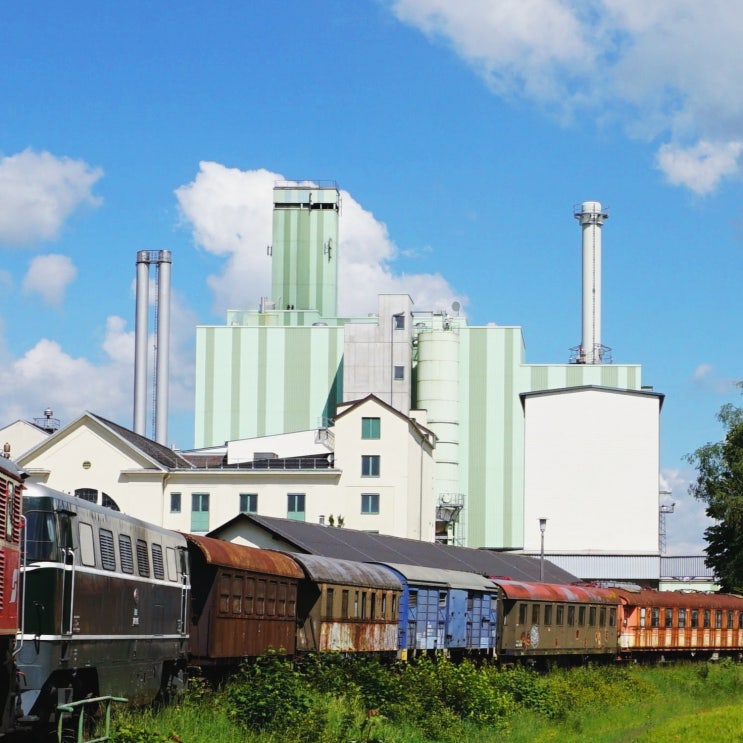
pixel 304 263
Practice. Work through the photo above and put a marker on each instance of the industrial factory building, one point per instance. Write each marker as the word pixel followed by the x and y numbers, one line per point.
pixel 507 453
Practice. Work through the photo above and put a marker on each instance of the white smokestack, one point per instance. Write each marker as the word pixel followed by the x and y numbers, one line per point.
pixel 591 218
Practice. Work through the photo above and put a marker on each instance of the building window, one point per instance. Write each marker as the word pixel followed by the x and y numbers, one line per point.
pixel 175 502
pixel 370 428
pixel 370 503
pixel 399 373
pixel 88 494
pixel 370 465
pixel 399 322
pixel 295 506
pixel 248 502
pixel 199 511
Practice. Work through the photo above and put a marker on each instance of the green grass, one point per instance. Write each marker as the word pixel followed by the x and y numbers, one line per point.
pixel 357 701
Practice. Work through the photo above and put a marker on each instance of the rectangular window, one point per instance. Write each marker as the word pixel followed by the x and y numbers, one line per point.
pixel 106 542
pixel 370 428
pixel 559 614
pixel 548 615
pixel 718 618
pixel 729 624
pixel 522 613
pixel 592 616
pixel 571 616
pixel 87 546
pixel 668 619
pixel 344 604
pixel 612 617
pixel 654 617
pixel 370 465
pixel 602 616
pixel 172 563
pixel 399 322
pixel 370 503
pixel 175 502
pixel 295 506
pixel 643 614
pixel 695 618
pixel 399 373
pixel 248 502
pixel 329 603
pixel 224 593
pixel 682 618
pixel 706 619
pixel 355 604
pixel 363 605
pixel 581 616
pixel 281 600
pixel 237 594
pixel 199 511
pixel 260 597
pixel 535 614
pixel 373 610
pixel 126 556
pixel 249 594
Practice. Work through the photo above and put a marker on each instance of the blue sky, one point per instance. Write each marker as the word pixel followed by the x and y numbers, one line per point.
pixel 461 135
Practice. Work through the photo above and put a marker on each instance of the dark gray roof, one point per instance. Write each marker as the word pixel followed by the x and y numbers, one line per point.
pixel 349 544
pixel 160 453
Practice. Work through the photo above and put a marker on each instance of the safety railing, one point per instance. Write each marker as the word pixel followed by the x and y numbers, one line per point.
pixel 65 711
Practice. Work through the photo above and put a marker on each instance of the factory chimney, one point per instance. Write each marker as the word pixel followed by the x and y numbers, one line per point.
pixel 591 217
pixel 161 259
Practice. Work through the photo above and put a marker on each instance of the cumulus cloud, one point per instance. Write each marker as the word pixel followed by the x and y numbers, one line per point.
pixel 49 276
pixel 668 69
pixel 701 167
pixel 705 377
pixel 39 191
pixel 230 212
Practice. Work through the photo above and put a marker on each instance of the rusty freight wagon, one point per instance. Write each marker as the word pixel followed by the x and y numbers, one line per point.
pixel 539 620
pixel 691 623
pixel 244 601
pixel 346 606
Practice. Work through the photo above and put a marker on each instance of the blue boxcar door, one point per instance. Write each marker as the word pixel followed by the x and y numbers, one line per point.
pixel 456 630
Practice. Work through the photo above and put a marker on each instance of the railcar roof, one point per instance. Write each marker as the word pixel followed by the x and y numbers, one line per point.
pixel 681 599
pixel 556 592
pixel 442 577
pixel 11 468
pixel 231 555
pixel 348 572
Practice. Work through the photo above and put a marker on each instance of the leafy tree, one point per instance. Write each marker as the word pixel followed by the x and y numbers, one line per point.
pixel 720 485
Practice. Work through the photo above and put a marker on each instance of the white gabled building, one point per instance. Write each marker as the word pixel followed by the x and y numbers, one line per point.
pixel 373 470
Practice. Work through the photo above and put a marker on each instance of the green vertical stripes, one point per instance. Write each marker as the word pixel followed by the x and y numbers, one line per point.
pixel 477 424
pixel 263 375
pixel 235 366
pixel 297 349
pixel 574 375
pixel 539 378
pixel 209 387
pixel 610 376
pixel 510 399
pixel 303 251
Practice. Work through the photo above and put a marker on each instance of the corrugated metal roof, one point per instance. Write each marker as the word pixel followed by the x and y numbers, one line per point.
pixel 239 556
pixel 350 544
pixel 350 572
pixel 551 592
pixel 441 577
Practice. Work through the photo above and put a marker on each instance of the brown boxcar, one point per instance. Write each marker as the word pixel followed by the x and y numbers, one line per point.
pixel 244 601
pixel 542 619
pixel 346 606
pixel 680 622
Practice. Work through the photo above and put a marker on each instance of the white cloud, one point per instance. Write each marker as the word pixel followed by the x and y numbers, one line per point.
pixel 38 192
pixel 49 276
pixel 701 167
pixel 669 69
pixel 230 212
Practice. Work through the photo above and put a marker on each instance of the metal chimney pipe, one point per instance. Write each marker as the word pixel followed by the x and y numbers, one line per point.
pixel 591 217
pixel 163 347
pixel 140 342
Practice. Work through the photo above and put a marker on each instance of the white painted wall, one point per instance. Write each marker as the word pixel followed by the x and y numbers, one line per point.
pixel 591 469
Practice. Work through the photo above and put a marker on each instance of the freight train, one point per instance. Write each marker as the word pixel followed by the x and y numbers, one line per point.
pixel 110 605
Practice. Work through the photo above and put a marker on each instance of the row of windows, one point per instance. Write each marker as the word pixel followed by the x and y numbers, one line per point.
pixel 248 503
pixel 569 615
pixel 239 594
pixel 692 618
pixel 360 604
pixel 149 559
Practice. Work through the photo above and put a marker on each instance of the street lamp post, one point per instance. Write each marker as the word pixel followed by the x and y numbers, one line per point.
pixel 542 527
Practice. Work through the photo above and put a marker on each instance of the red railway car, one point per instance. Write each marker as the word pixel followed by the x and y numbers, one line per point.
pixel 11 487
pixel 693 623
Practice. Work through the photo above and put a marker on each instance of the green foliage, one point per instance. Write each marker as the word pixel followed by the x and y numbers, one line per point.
pixel 134 734
pixel 719 484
